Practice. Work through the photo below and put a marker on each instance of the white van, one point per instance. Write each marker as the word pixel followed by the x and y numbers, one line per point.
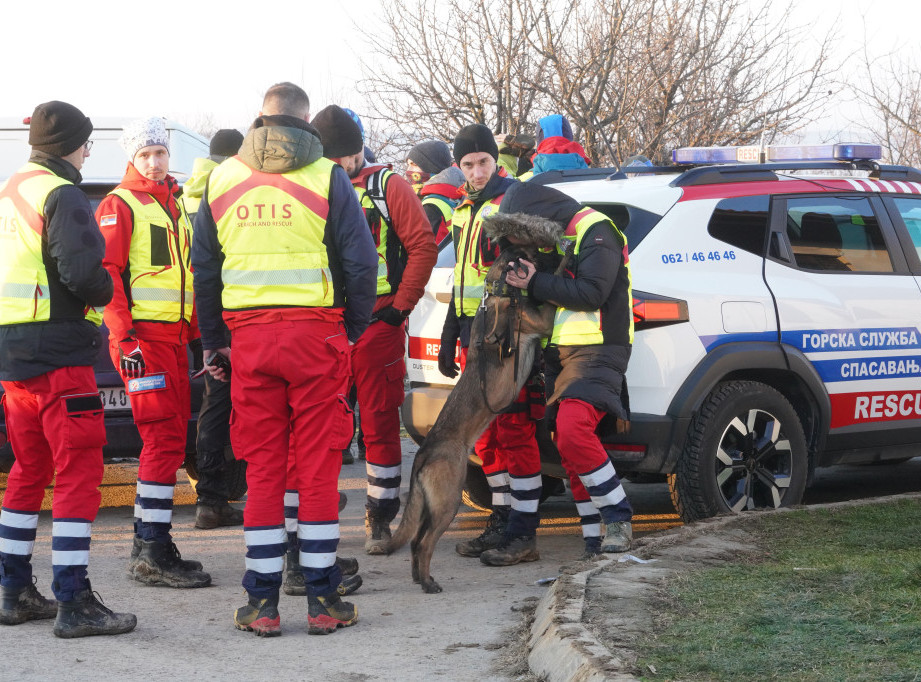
pixel 107 161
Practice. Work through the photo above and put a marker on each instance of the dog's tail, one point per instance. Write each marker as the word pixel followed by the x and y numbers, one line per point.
pixel 411 519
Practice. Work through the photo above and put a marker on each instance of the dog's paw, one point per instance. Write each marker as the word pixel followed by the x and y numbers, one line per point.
pixel 429 586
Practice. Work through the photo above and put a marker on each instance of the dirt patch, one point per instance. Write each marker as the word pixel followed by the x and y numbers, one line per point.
pixel 512 662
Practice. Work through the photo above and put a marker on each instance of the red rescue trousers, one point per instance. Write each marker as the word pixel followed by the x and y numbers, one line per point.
pixel 378 368
pixel 290 380
pixel 509 443
pixel 162 413
pixel 56 428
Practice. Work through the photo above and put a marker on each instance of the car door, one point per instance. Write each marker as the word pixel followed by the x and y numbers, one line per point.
pixel 847 299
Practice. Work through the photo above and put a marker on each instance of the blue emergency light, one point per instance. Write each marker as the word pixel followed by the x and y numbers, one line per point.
pixel 777 153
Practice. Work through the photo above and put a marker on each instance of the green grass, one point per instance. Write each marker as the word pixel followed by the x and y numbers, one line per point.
pixel 834 594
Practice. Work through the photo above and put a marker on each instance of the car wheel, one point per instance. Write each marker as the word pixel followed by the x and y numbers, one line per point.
pixel 476 492
pixel 234 472
pixel 745 450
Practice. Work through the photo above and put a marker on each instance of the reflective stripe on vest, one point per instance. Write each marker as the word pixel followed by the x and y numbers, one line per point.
pixel 24 293
pixel 271 227
pixel 471 268
pixel 158 260
pixel 380 230
pixel 580 328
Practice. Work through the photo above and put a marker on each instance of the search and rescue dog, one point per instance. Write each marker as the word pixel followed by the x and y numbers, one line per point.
pixel 505 336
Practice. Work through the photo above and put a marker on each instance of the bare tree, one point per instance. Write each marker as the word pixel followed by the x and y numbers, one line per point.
pixel 892 91
pixel 633 76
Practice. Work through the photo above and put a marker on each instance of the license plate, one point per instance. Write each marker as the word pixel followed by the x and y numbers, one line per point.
pixel 114 399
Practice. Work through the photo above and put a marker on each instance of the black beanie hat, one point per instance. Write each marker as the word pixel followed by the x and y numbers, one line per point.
pixel 432 156
pixel 226 142
pixel 58 128
pixel 475 138
pixel 339 133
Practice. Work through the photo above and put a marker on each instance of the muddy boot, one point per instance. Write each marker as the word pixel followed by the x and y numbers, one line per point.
pixel 86 616
pixel 259 616
pixel 592 549
pixel 294 577
pixel 25 603
pixel 618 535
pixel 159 563
pixel 349 584
pixel 348 565
pixel 187 564
pixel 208 516
pixel 490 537
pixel 327 614
pixel 378 535
pixel 512 551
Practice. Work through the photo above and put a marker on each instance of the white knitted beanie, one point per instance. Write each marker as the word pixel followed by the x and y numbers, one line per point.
pixel 144 133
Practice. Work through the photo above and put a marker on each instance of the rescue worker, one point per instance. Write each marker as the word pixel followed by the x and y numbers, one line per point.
pixel 405 257
pixel 52 291
pixel 585 359
pixel 556 149
pixel 151 321
pixel 508 449
pixel 437 180
pixel 211 508
pixel 283 251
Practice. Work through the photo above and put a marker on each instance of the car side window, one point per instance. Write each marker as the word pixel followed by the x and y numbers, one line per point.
pixel 910 210
pixel 742 222
pixel 836 234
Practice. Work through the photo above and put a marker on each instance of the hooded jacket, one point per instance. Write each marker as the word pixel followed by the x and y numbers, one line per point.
pixel 558 153
pixel 194 187
pixel 596 279
pixel 72 251
pixel 276 145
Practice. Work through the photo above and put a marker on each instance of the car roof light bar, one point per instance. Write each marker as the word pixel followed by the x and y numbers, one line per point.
pixel 778 153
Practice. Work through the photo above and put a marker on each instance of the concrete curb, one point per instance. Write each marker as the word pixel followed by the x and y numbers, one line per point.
pixel 563 649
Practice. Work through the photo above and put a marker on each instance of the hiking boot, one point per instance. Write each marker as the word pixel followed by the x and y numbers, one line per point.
pixel 259 616
pixel 617 536
pixel 349 584
pixel 187 564
pixel 512 551
pixel 490 538
pixel 347 457
pixel 159 563
pixel 208 516
pixel 348 565
pixel 378 540
pixel 25 603
pixel 86 616
pixel 327 614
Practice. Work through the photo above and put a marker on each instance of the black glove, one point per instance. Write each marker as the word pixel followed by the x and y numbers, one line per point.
pixel 220 361
pixel 198 355
pixel 450 333
pixel 130 359
pixel 391 315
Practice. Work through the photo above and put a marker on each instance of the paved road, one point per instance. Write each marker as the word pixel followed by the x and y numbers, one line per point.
pixel 461 634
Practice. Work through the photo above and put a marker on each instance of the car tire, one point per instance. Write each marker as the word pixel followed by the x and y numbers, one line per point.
pixel 234 471
pixel 745 450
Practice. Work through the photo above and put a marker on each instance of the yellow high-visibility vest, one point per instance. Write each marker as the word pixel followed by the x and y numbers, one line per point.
pixel 472 264
pixel 24 292
pixel 270 227
pixel 158 260
pixel 580 328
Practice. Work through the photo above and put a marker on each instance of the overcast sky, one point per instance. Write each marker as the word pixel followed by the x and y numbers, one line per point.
pixel 191 58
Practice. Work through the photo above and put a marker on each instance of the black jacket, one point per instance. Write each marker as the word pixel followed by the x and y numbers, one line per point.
pixel 596 279
pixel 72 251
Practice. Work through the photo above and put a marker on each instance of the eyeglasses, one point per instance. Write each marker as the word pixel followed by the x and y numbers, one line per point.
pixel 87 145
